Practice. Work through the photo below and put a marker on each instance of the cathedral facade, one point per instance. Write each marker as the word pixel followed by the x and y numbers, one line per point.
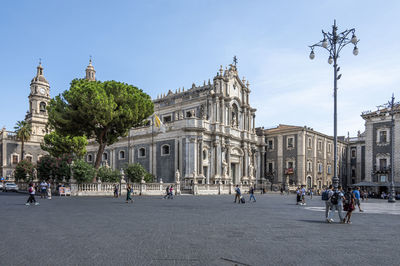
pixel 208 136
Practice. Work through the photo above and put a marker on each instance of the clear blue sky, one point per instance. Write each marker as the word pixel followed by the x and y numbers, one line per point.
pixel 162 45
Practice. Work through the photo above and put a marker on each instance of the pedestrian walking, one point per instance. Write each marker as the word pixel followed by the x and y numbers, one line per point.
pixel 43 189
pixel 49 190
pixel 357 196
pixel 298 196
pixel 31 199
pixel 116 188
pixel 325 197
pixel 128 194
pixel 237 194
pixel 251 192
pixel 281 190
pixel 349 199
pixel 171 192
pixel 166 193
pixel 336 199
pixel 303 195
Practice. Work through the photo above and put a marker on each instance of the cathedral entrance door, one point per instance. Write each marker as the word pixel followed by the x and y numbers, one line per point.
pixel 233 173
pixel 309 184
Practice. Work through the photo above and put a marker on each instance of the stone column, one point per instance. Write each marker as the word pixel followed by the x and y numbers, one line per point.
pixel 217 111
pixel 254 123
pixel 229 118
pixel 222 111
pixel 246 162
pixel 200 155
pixel 228 161
pixel 218 158
pixel 262 171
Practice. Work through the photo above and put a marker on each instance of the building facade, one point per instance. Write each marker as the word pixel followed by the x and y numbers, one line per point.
pixel 209 136
pixel 298 156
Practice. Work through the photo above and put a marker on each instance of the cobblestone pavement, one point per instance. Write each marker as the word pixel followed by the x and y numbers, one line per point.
pixel 188 230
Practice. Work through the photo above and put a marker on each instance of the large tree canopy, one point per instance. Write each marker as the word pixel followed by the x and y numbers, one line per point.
pixel 58 145
pixel 104 111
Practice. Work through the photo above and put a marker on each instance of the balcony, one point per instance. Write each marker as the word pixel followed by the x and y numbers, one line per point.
pixel 382 169
pixel 289 171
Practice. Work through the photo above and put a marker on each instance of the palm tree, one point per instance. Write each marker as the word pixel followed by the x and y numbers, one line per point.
pixel 23 131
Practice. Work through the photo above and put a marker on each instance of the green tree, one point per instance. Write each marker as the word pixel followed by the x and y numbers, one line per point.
pixel 58 145
pixel 104 111
pixel 135 172
pixel 106 174
pixel 82 171
pixel 23 131
pixel 24 170
pixel 45 167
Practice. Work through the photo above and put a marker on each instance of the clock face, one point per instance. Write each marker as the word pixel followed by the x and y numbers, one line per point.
pixel 42 90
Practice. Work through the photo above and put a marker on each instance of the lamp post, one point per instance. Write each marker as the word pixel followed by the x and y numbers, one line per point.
pixel 334 43
pixel 392 196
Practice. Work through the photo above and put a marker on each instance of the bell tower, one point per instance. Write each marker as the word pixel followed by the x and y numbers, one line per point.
pixel 90 72
pixel 39 98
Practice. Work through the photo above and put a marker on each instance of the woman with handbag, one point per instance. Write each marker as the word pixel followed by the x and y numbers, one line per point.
pixel 348 205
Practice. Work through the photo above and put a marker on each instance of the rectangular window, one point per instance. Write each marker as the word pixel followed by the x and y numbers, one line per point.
pixel 309 166
pixel 270 144
pixel 353 153
pixel 329 170
pixel 383 136
pixel 309 143
pixel 353 172
pixel 290 142
pixel 382 164
pixel 270 167
pixel 320 168
pixel 290 165
pixel 320 145
pixel 29 158
pixel 329 147
pixel 167 119
pixel 15 159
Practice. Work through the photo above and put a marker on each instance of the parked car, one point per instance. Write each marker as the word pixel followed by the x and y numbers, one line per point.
pixel 11 187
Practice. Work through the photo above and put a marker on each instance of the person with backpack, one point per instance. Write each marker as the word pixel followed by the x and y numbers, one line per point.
pixel 116 191
pixel 171 192
pixel 325 197
pixel 337 204
pixel 31 199
pixel 349 200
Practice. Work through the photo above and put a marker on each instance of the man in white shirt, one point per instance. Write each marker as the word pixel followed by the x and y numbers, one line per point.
pixel 336 199
pixel 43 189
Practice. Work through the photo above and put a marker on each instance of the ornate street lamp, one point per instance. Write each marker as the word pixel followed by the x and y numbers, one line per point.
pixel 334 42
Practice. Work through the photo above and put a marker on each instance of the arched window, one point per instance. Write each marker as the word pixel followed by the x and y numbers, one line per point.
pixel 89 158
pixel 105 156
pixel 42 107
pixel 142 152
pixel 122 155
pixel 165 149
pixel 204 154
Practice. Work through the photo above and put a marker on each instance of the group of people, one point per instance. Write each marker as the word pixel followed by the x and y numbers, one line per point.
pixel 339 200
pixel 238 195
pixel 169 192
pixel 45 192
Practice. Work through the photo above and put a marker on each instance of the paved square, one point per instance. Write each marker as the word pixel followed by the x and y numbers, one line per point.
pixel 188 230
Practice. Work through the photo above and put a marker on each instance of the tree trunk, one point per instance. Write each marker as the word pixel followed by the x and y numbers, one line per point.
pixel 22 149
pixel 102 146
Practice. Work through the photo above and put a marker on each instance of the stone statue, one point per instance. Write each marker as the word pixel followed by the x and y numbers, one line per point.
pixel 251 170
pixel 224 168
pixel 181 115
pixel 176 116
pixel 34 174
pixel 177 175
